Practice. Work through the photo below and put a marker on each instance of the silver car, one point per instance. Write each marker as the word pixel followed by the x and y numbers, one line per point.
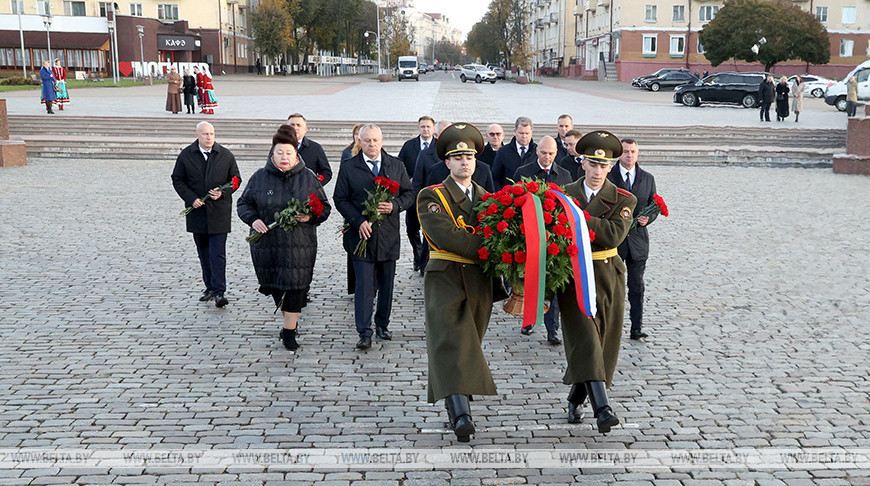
pixel 478 73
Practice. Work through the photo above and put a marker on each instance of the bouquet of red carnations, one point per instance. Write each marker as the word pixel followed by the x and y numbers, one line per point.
pixel 657 207
pixel 286 218
pixel 234 184
pixel 385 191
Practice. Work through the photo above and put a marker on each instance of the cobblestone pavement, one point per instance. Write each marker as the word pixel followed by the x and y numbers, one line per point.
pixel 442 95
pixel 757 308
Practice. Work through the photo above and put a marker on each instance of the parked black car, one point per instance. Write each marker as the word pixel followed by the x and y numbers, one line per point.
pixel 668 80
pixel 725 87
pixel 636 81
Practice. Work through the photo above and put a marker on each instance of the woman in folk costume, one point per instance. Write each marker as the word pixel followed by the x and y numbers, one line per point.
pixel 60 84
pixel 208 99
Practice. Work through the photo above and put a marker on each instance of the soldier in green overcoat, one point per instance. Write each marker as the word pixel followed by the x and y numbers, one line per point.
pixel 458 296
pixel 592 345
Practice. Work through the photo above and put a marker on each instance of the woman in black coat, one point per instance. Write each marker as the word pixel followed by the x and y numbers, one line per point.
pixel 189 89
pixel 283 260
pixel 782 99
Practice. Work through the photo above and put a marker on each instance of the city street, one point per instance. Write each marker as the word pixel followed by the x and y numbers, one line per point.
pixel 111 371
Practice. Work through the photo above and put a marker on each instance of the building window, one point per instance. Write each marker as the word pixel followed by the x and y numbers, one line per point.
pixel 650 13
pixel 700 47
pixel 105 8
pixel 846 47
pixel 75 9
pixel 848 15
pixel 242 50
pixel 136 9
pixel 679 13
pixel 649 45
pixel 16 4
pixel 43 7
pixel 167 11
pixel 822 14
pixel 707 12
pixel 678 45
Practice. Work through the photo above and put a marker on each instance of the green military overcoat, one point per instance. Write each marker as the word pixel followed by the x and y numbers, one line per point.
pixel 458 296
pixel 592 345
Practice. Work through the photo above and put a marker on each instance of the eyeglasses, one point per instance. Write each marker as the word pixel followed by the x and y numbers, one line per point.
pixel 495 134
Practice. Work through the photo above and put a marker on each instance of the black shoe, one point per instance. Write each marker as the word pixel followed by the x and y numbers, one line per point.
pixel 220 299
pixel 553 339
pixel 206 296
pixel 365 342
pixel 576 398
pixel 383 333
pixel 459 411
pixel 526 330
pixel 636 336
pixel 604 416
pixel 288 336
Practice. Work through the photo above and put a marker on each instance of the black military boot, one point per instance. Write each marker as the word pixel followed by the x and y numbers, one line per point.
pixel 459 412
pixel 576 397
pixel 603 413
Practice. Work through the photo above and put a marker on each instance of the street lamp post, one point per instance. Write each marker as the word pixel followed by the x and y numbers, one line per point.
pixel 46 19
pixel 113 33
pixel 378 40
pixel 141 29
pixel 20 6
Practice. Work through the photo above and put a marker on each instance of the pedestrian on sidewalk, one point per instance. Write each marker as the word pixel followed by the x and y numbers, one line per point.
pixel 766 95
pixel 48 94
pixel 797 106
pixel 173 92
pixel 283 260
pixel 189 88
pixel 60 84
pixel 782 99
pixel 200 169
pixel 851 96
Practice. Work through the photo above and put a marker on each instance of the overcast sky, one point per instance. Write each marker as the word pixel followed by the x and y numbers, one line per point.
pixel 463 14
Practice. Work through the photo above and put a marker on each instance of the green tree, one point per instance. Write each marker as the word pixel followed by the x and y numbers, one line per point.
pixel 270 24
pixel 482 43
pixel 788 33
pixel 395 37
pixel 448 53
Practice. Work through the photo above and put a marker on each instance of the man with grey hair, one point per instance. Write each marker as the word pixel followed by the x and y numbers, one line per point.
pixel 520 151
pixel 201 169
pixel 375 269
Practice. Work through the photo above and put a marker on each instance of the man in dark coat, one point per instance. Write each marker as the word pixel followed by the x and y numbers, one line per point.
pixel 356 176
pixel 572 162
pixel 48 94
pixel 766 95
pixel 592 345
pixel 199 170
pixel 634 251
pixel 520 151
pixel 408 155
pixel 458 295
pixel 564 124
pixel 545 170
pixel 494 141
pixel 310 151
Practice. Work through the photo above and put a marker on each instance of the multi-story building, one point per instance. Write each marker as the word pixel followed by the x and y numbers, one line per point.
pixel 641 36
pixel 427 29
pixel 552 33
pixel 80 34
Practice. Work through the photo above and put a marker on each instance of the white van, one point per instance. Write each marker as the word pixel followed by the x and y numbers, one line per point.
pixel 836 93
pixel 409 68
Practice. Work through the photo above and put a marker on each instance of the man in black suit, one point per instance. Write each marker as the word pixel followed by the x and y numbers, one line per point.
pixel 494 140
pixel 520 151
pixel 200 169
pixel 635 249
pixel 378 265
pixel 564 123
pixel 432 170
pixel 572 162
pixel 310 151
pixel 546 170
pixel 408 155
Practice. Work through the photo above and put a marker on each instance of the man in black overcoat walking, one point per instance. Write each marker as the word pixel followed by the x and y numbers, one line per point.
pixel 200 169
pixel 408 155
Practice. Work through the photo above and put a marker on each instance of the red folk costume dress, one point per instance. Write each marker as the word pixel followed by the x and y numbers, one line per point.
pixel 207 99
pixel 60 83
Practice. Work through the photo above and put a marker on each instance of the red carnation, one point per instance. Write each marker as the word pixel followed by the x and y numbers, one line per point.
pixel 320 178
pixel 549 204
pixel 559 230
pixel 572 250
pixel 553 249
pixel 379 181
pixel 485 197
pixel 315 205
pixel 483 254
pixel 487 231
pixel 533 186
pixel 586 215
pixel 554 187
pixel 591 236
pixel 663 208
pixel 492 209
pixel 506 200
pixel 562 218
pixel 236 186
pixel 509 213
pixel 502 226
pixel 507 257
pixel 550 194
pixel 481 217
pixel 517 190
pixel 394 187
pixel 522 229
pixel 520 257
pixel 519 201
pixel 576 201
pixel 548 218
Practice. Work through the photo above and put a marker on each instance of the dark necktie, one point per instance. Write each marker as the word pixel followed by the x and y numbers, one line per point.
pixel 425 145
pixel 468 194
pixel 628 180
pixel 522 153
pixel 205 154
pixel 375 168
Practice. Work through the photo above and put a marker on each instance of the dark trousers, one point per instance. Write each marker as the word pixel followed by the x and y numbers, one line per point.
pixel 212 251
pixel 765 111
pixel 636 288
pixel 371 278
pixel 551 318
pixel 851 108
pixel 48 106
pixel 412 225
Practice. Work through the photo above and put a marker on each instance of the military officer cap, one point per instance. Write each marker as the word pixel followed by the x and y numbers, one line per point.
pixel 459 139
pixel 600 147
